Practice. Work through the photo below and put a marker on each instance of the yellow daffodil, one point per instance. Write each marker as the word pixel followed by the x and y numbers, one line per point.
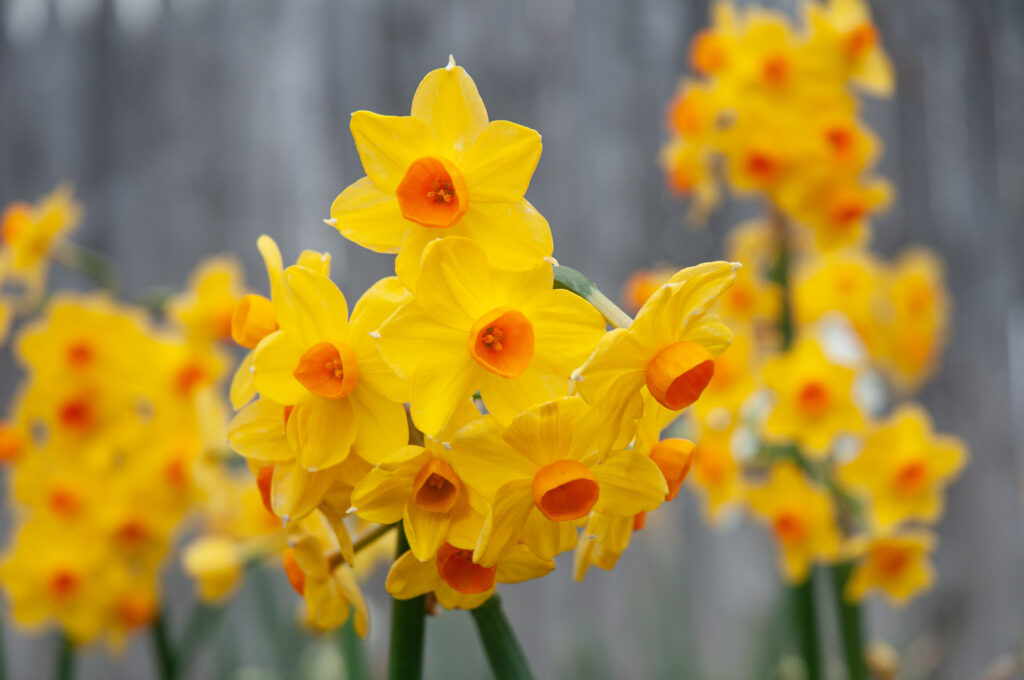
pixel 545 472
pixel 419 486
pixel 327 368
pixel 316 569
pixel 814 399
pixel 642 284
pixel 13 443
pixel 206 306
pixel 843 31
pixel 903 468
pixel 717 474
pixel 457 580
pixel 215 564
pixel 669 349
pixel 444 171
pixel 847 283
pixel 471 328
pixel 801 517
pixel 898 565
pixel 29 234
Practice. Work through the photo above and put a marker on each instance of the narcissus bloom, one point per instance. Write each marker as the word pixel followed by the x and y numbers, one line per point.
pixel 419 486
pixel 316 567
pixel 642 284
pixel 904 468
pixel 669 349
pixel 717 474
pixel 843 30
pixel 456 580
pixel 215 564
pixel 898 565
pixel 444 171
pixel 472 328
pixel 800 515
pixel 327 368
pixel 29 234
pixel 206 306
pixel 545 473
pixel 814 399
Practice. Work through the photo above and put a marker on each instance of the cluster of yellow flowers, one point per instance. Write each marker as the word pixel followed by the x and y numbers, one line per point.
pixel 106 429
pixel 792 424
pixel 526 420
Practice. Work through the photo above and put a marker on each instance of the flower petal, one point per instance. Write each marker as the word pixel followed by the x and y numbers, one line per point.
pixel 274 361
pixel 505 521
pixel 387 145
pixel 522 565
pixel 499 165
pixel 369 216
pixel 409 577
pixel 294 492
pixel 258 432
pixel 566 329
pixel 630 483
pixel 410 338
pixel 243 386
pixel 321 431
pixel 382 494
pixel 316 309
pixel 514 235
pixel 438 389
pixel 483 461
pixel 381 424
pixel 424 530
pixel 448 102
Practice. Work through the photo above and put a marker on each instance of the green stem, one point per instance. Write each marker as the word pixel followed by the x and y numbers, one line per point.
pixel 3 649
pixel 805 619
pixel 408 626
pixel 371 537
pixel 576 282
pixel 352 651
pixel 849 624
pixel 500 644
pixel 65 669
pixel 201 624
pixel 90 264
pixel 166 662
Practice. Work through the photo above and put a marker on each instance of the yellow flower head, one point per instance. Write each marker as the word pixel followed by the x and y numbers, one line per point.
pixel 904 468
pixel 669 349
pixel 545 473
pixel 444 171
pixel 814 399
pixel 898 565
pixel 838 210
pixel 717 474
pixel 457 580
pixel 472 328
pixel 801 517
pixel 206 306
pixel 642 284
pixel 419 486
pixel 215 564
pixel 917 332
pixel 849 283
pixel 328 369
pixel 842 31
pixel 30 233
pixel 318 569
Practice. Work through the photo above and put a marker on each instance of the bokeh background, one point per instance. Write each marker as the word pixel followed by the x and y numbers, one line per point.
pixel 192 126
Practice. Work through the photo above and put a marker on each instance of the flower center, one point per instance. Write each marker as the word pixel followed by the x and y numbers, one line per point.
pixel 65 502
pixel 674 457
pixel 77 414
pixel 762 166
pixel 436 487
pixel 190 378
pixel 912 477
pixel 296 577
pixel 502 342
pixel 264 482
pixel 814 399
pixel 456 567
pixel 846 211
pixel 252 320
pixel 840 138
pixel 775 70
pixel 565 490
pixel 789 527
pixel 678 374
pixel 890 560
pixel 135 611
pixel 63 583
pixel 861 39
pixel 639 521
pixel 12 444
pixel 709 53
pixel 132 533
pixel 433 193
pixel 328 370
pixel 16 219
pixel 80 353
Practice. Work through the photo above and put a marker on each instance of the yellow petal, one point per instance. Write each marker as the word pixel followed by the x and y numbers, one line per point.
pixel 409 577
pixel 382 426
pixel 258 432
pixel 630 483
pixel 369 216
pixel 615 372
pixel 522 565
pixel 321 431
pixel 506 398
pixel 483 461
pixel 382 494
pixel 274 361
pixel 499 165
pixel 545 433
pixel 546 538
pixel 387 145
pixel 504 523
pixel 448 102
pixel 243 386
pixel 439 388
pixel 316 309
pixel 315 261
pixel 514 235
pixel 669 313
pixel 424 530
pixel 454 285
pixel 372 310
pixel 273 262
pixel 350 588
pixel 410 338
pixel 294 493
pixel 566 331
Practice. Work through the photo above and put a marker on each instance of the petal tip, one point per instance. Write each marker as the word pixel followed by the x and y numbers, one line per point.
pixel 451 63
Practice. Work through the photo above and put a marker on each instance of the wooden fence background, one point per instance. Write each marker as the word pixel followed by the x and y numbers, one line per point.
pixel 192 126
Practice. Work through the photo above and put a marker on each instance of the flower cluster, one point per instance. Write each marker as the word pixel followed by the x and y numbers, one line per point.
pixel 470 398
pixel 801 423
